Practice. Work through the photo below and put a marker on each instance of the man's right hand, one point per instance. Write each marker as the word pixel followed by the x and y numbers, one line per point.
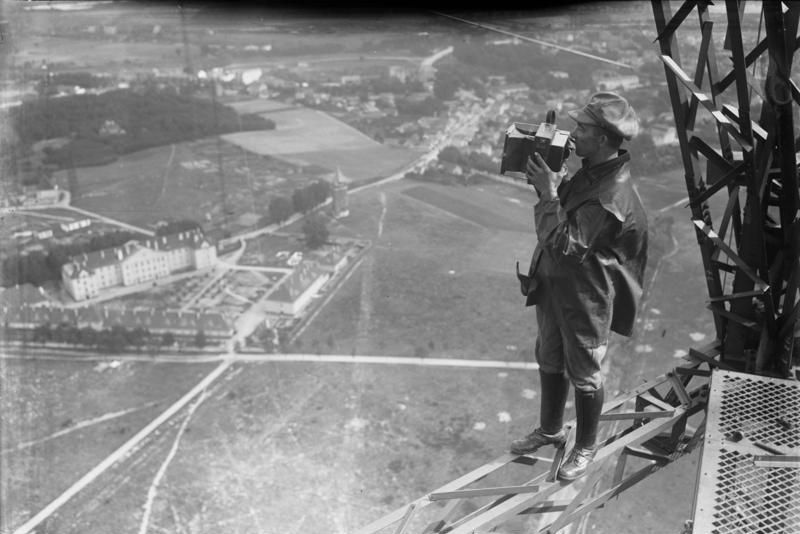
pixel 542 177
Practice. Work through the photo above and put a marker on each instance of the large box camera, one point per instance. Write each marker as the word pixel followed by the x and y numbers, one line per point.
pixel 522 140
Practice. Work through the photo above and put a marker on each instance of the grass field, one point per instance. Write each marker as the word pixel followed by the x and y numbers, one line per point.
pixel 424 290
pixel 309 137
pixel 269 440
pixel 472 207
pixel 183 181
pixel 42 398
pixel 331 447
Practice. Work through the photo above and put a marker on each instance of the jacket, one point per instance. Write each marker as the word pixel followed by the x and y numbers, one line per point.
pixel 591 251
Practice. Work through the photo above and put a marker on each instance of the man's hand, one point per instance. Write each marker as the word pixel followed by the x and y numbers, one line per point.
pixel 544 179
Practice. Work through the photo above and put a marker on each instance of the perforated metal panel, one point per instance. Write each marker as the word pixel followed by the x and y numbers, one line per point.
pixel 749 417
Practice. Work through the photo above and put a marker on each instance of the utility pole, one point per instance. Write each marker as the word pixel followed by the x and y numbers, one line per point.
pixel 220 172
pixel 186 53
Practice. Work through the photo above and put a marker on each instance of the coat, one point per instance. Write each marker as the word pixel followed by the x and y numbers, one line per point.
pixel 592 251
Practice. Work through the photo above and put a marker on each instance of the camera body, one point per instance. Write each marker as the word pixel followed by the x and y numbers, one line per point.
pixel 522 140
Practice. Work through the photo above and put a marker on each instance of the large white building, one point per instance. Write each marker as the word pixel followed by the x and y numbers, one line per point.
pixel 135 262
pixel 295 291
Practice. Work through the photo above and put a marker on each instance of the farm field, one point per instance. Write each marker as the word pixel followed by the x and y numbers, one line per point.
pixel 270 439
pixel 316 447
pixel 415 294
pixel 305 136
pixel 471 204
pixel 361 440
pixel 183 181
pixel 100 54
pixel 63 434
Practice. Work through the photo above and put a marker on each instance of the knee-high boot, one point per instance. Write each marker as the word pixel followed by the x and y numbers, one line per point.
pixel 555 388
pixel 588 407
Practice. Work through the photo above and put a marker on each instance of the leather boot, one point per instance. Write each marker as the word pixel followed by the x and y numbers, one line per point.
pixel 588 406
pixel 555 387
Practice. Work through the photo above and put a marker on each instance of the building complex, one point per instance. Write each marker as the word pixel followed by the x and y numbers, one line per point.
pixel 136 262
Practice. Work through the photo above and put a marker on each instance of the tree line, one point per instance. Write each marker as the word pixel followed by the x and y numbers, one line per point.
pixel 113 340
pixel 301 200
pixel 99 128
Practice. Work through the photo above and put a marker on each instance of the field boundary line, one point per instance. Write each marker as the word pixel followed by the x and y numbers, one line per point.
pixel 89 477
pixel 78 426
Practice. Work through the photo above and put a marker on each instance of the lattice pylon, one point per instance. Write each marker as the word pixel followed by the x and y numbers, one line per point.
pixel 754 162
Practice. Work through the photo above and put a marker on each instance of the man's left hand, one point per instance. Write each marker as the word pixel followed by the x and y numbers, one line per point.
pixel 542 177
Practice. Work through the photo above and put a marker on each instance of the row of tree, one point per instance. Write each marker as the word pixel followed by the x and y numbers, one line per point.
pixel 302 200
pixel 98 128
pixel 113 340
pixel 38 267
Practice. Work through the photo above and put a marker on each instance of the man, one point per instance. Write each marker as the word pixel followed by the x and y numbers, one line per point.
pixel 586 275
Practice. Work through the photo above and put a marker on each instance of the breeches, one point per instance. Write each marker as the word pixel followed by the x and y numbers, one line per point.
pixel 558 349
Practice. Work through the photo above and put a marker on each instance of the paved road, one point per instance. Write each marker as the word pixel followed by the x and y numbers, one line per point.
pixel 44 353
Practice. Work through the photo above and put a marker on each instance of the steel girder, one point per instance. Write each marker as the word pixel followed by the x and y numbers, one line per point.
pixel 756 238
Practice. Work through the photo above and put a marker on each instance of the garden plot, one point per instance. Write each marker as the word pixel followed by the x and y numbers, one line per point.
pixel 235 292
pixel 173 295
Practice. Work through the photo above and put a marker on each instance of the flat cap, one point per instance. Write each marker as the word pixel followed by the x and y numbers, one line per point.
pixel 611 112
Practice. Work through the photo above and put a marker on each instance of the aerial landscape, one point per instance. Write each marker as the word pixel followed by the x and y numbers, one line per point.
pixel 258 265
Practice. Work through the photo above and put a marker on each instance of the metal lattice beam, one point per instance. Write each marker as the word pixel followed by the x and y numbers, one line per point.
pixel 646 429
pixel 754 316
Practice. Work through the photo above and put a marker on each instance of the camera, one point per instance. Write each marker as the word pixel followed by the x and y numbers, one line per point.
pixel 522 140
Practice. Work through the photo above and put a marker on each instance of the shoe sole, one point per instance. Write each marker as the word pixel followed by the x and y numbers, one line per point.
pixel 528 451
pixel 570 479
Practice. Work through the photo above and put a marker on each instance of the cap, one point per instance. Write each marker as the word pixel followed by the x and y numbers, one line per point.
pixel 611 112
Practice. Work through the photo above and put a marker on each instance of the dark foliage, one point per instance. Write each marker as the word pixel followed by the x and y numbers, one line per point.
pixel 315 231
pixel 101 127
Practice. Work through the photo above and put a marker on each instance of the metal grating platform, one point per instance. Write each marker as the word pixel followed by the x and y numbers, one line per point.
pixel 749 475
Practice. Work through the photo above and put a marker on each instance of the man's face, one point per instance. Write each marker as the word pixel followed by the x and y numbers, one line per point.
pixel 587 139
